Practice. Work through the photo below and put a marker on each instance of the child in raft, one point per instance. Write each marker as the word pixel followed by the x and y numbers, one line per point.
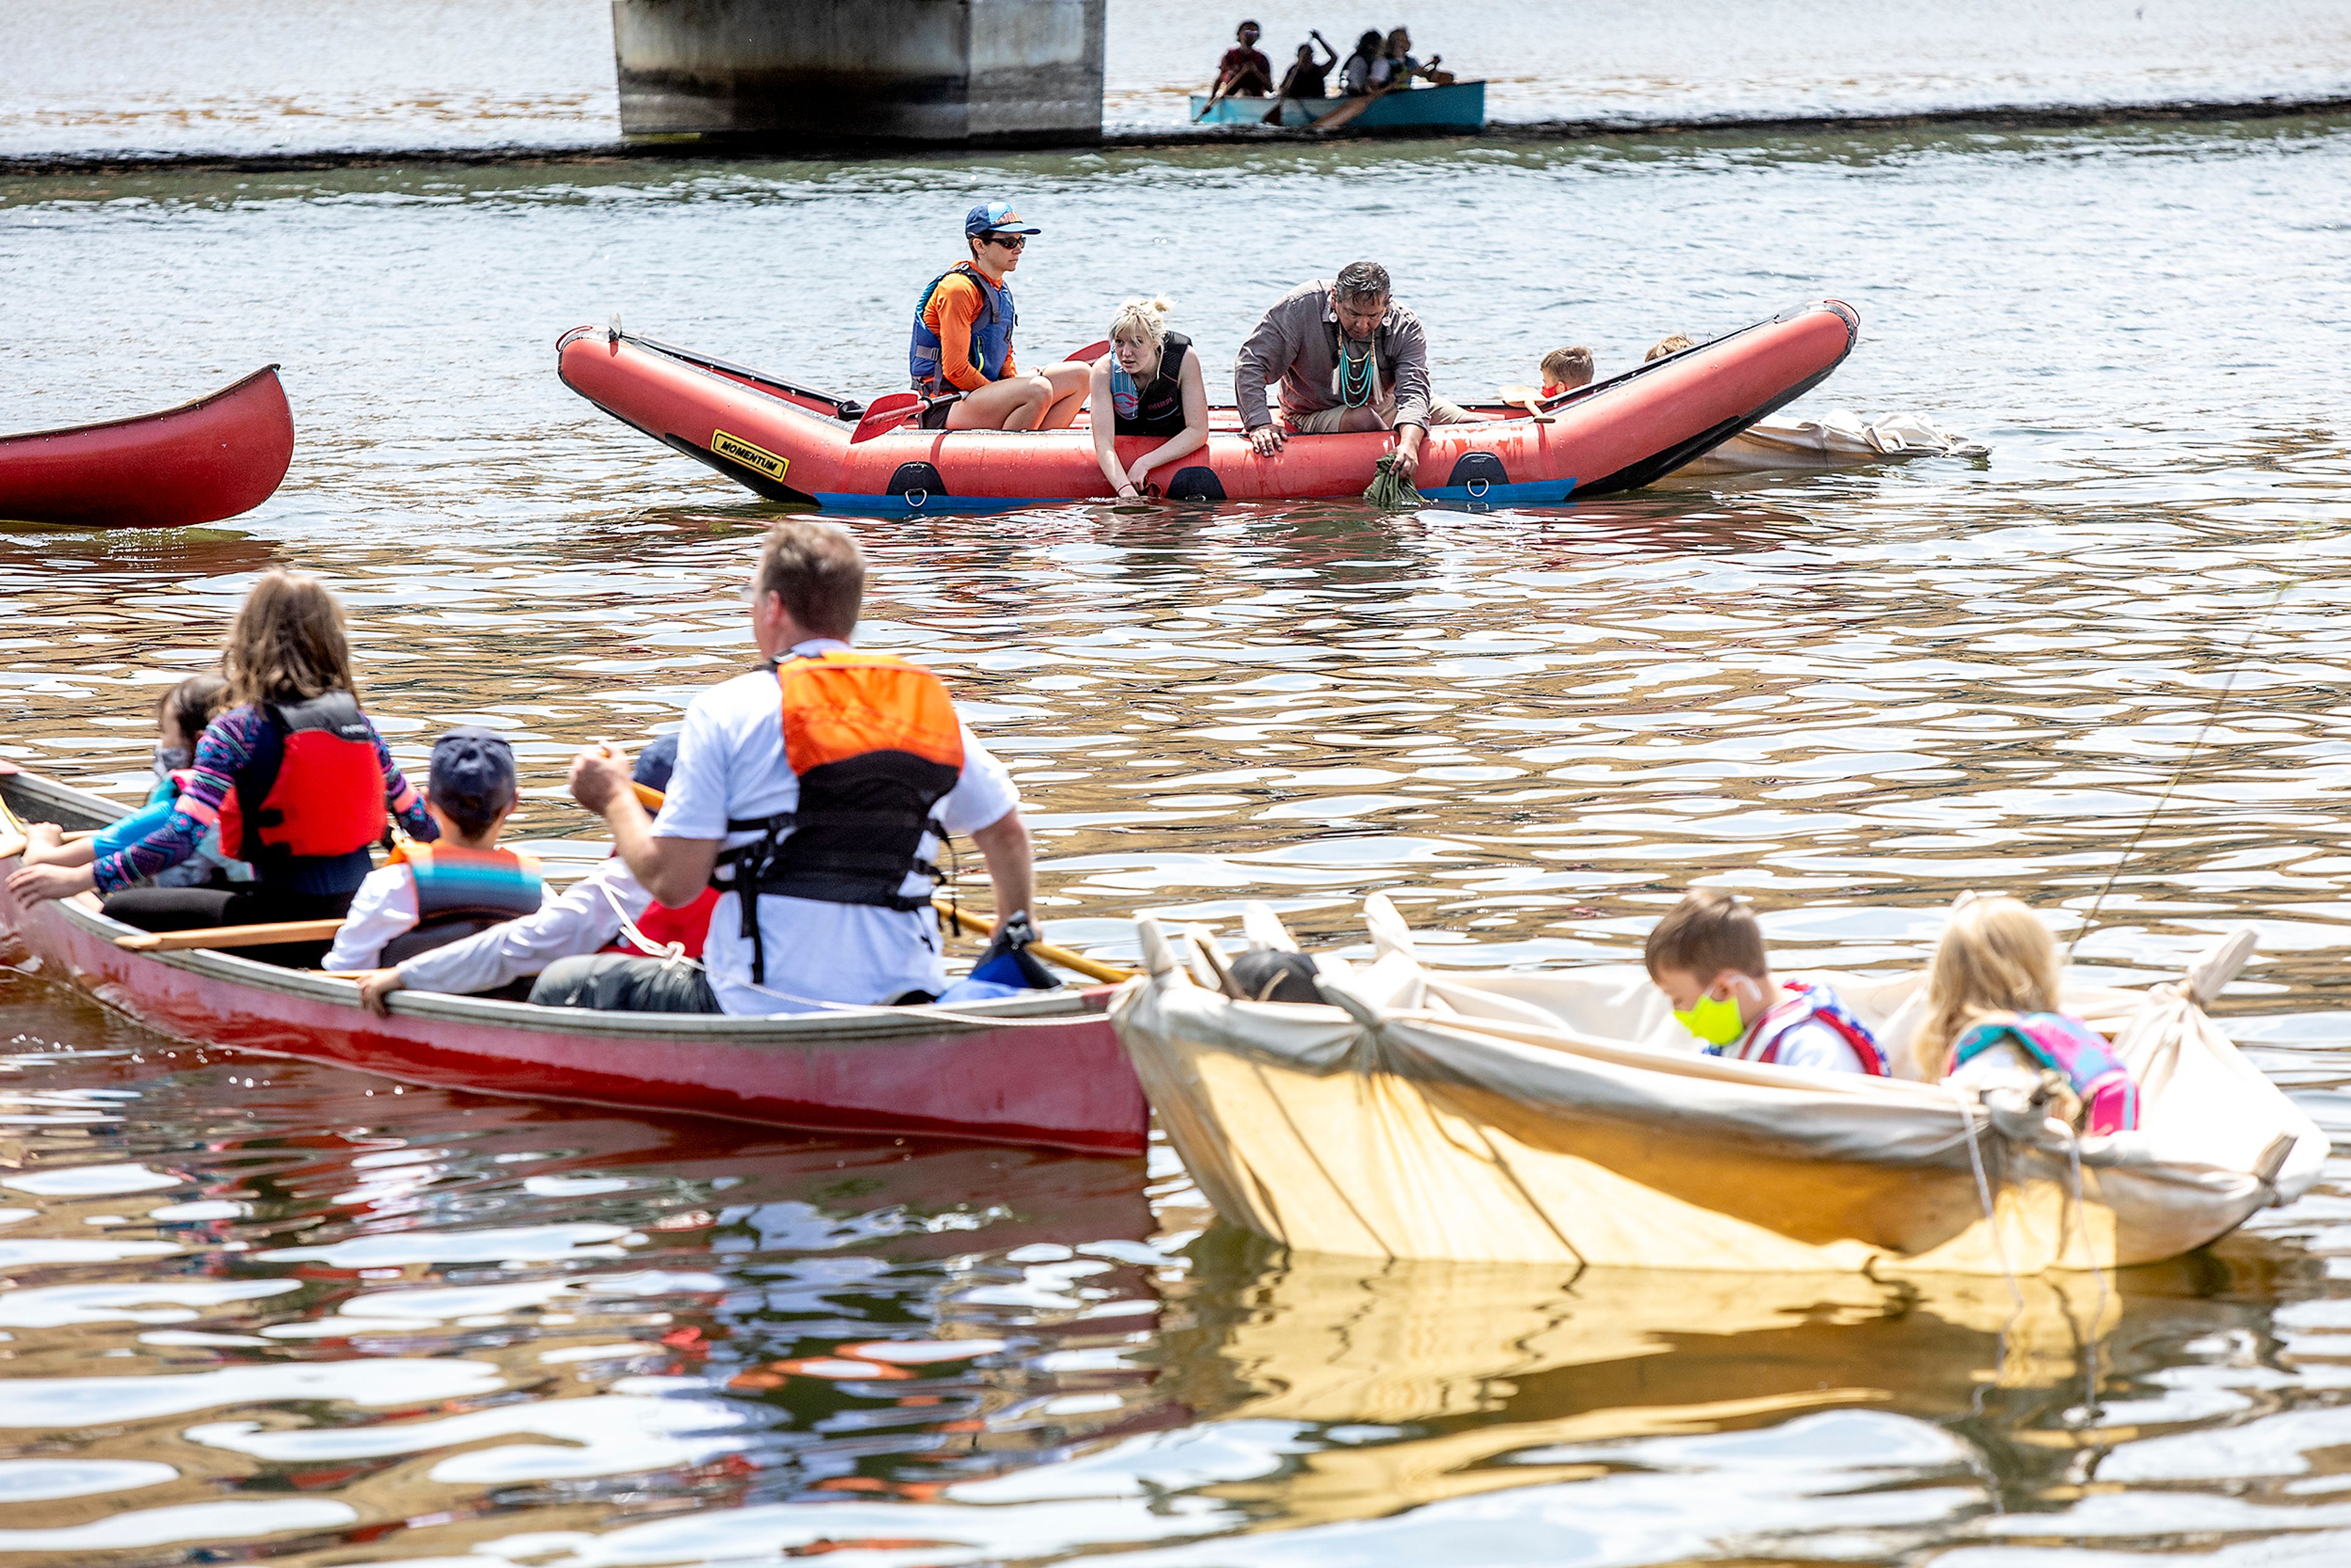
pixel 1564 370
pixel 1992 1016
pixel 1707 955
pixel 181 715
pixel 293 775
pixel 429 895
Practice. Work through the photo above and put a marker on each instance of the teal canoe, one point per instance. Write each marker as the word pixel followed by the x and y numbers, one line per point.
pixel 1460 106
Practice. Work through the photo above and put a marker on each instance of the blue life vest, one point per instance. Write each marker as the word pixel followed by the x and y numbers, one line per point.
pixel 991 332
pixel 461 892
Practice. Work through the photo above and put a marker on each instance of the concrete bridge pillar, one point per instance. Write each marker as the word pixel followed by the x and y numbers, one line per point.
pixel 973 71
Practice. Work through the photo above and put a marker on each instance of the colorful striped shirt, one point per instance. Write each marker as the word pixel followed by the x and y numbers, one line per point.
pixel 225 749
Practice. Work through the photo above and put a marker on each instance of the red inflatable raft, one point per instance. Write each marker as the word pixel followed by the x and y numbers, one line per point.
pixel 198 462
pixel 789 442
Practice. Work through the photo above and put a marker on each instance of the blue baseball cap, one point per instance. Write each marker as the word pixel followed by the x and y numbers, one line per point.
pixel 993 218
pixel 473 773
pixel 656 762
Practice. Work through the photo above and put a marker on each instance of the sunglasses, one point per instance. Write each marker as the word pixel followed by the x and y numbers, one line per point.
pixel 1009 242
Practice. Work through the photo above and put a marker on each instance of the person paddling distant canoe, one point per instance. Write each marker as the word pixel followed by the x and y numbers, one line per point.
pixel 1244 72
pixel 962 340
pixel 1306 78
pixel 1356 78
pixel 1396 67
pixel 1149 385
pixel 1348 357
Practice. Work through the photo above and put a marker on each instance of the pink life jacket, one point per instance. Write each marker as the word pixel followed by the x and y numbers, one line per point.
pixel 2109 1098
pixel 1808 1004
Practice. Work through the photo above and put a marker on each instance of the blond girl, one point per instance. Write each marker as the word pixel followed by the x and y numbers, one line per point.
pixel 1146 392
pixel 1991 1013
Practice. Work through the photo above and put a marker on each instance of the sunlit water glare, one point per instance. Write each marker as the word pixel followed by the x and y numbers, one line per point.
pixel 294 1312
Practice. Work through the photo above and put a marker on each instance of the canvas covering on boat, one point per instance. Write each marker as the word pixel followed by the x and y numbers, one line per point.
pixel 1563 1117
pixel 1838 439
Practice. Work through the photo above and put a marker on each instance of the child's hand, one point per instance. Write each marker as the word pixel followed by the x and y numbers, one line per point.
pixel 38 884
pixel 42 842
pixel 376 987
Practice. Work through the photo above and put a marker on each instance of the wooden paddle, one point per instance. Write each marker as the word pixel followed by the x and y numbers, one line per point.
pixel 1525 397
pixel 1346 112
pixel 650 799
pixel 231 936
pixel 888 412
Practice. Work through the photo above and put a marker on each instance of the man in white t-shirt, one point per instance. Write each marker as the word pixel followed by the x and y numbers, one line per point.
pixel 827 779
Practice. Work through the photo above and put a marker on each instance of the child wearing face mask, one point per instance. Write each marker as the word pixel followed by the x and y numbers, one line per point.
pixel 180 717
pixel 1707 955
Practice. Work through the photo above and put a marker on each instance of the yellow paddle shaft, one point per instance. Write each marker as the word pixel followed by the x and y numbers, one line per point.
pixel 978 926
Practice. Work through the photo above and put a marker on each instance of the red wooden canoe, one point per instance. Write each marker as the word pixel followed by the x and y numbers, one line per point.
pixel 1042 1069
pixel 789 442
pixel 203 461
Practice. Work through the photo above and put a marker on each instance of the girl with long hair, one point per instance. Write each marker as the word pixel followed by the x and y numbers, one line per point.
pixel 292 775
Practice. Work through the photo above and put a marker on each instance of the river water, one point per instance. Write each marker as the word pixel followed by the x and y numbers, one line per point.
pixel 262 1310
pixel 81 77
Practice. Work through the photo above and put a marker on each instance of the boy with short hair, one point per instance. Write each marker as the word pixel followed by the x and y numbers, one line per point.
pixel 1564 370
pixel 1707 955
pixel 428 895
pixel 1664 346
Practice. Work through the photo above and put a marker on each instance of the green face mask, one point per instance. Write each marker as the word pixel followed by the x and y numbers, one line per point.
pixel 1714 1020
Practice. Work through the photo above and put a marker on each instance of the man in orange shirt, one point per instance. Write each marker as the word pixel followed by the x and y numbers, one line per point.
pixel 963 339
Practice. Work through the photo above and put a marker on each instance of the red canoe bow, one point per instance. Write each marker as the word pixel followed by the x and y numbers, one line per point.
pixel 203 461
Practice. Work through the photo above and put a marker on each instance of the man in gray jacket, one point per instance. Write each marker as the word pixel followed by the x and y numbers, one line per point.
pixel 1348 357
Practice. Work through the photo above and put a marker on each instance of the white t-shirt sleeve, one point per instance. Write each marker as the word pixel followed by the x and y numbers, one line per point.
pixel 984 793
pixel 580 920
pixel 695 805
pixel 1818 1047
pixel 383 908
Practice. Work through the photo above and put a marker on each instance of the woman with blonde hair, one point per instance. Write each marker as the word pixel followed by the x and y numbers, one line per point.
pixel 1991 1014
pixel 1146 389
pixel 292 774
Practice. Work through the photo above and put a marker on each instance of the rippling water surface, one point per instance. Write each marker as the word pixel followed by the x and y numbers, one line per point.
pixel 262 1309
pixel 275 76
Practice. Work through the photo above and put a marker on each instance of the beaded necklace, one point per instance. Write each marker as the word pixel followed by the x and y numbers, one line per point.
pixel 1358 379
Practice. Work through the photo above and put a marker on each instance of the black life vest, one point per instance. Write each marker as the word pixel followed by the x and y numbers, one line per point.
pixel 1159 402
pixel 875 744
pixel 311 802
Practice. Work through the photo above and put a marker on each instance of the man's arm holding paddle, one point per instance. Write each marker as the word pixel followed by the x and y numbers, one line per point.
pixel 675 870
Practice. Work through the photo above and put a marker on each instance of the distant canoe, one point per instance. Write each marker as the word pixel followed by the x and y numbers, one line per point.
pixel 1460 107
pixel 199 463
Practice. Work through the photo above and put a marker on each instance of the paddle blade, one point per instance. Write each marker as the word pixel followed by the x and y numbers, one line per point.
pixel 886 413
pixel 1091 352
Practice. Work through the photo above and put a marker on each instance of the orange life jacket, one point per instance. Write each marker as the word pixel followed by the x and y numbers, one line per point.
pixel 874 743
pixel 309 804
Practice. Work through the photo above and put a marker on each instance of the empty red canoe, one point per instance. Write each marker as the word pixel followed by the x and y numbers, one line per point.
pixel 791 444
pixel 198 462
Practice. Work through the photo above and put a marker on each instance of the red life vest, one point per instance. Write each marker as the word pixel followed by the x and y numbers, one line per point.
pixel 688 927
pixel 1809 1004
pixel 312 793
pixel 875 744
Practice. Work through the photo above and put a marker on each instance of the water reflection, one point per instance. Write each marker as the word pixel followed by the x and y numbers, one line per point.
pixel 280 1310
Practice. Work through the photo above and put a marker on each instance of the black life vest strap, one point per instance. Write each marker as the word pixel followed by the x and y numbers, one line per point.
pixel 759 868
